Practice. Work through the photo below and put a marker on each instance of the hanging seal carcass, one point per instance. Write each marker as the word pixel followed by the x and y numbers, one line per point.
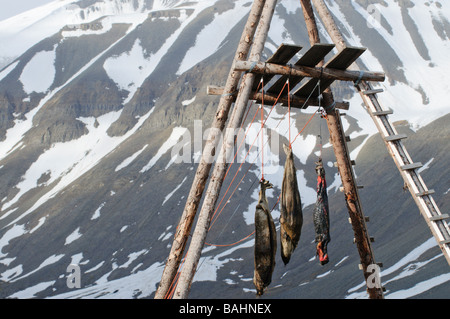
pixel 321 215
pixel 265 242
pixel 291 217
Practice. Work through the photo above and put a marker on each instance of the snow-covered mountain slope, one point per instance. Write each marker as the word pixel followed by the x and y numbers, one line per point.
pixel 98 101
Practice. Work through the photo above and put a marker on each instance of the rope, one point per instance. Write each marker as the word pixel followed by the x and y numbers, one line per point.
pixel 227 245
pixel 252 66
pixel 262 130
pixel 320 126
pixel 246 133
pixel 215 215
pixel 289 112
pixel 306 101
pixel 174 283
pixel 361 73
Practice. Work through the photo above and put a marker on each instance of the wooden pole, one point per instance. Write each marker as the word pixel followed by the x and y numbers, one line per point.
pixel 337 137
pixel 215 184
pixel 304 71
pixel 426 204
pixel 204 167
pixel 331 27
pixel 295 101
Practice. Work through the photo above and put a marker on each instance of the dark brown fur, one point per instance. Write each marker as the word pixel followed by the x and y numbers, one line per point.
pixel 291 219
pixel 265 242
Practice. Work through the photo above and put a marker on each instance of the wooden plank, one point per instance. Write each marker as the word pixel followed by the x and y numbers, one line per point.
pixel 380 113
pixel 411 166
pixel 369 92
pixel 439 217
pixel 340 61
pixel 282 55
pixel 425 193
pixel 313 56
pixel 392 138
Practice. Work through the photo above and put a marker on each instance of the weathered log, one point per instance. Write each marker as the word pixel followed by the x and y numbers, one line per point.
pixel 295 101
pixel 215 184
pixel 204 167
pixel 304 71
pixel 344 162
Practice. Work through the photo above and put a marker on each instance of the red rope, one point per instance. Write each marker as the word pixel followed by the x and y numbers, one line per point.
pixel 229 167
pixel 174 283
pixel 262 130
pixel 312 116
pixel 214 217
pixel 289 113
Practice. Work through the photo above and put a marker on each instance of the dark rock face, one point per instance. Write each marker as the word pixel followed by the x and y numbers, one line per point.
pixel 74 189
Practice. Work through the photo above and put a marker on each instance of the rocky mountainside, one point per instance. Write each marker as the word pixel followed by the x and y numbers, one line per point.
pixel 98 101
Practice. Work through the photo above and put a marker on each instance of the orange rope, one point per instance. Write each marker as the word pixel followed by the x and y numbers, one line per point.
pixel 305 125
pixel 262 130
pixel 289 112
pixel 214 217
pixel 246 133
pixel 174 283
pixel 241 240
pixel 232 243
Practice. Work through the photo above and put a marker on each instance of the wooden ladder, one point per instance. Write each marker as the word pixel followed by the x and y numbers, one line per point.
pixel 408 169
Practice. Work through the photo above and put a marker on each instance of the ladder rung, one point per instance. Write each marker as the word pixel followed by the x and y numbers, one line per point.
pixel 353 162
pixel 360 266
pixel 411 166
pixel 444 242
pixel 357 186
pixel 368 92
pixel 380 113
pixel 428 192
pixel 366 218
pixel 439 217
pixel 397 137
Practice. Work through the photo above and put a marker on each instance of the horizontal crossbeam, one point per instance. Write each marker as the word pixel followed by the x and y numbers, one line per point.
pixel 295 101
pixel 304 71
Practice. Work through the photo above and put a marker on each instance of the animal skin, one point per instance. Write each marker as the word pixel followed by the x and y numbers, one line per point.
pixel 321 215
pixel 265 242
pixel 291 218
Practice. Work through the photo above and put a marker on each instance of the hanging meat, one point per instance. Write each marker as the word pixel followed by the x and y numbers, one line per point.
pixel 291 219
pixel 321 215
pixel 265 242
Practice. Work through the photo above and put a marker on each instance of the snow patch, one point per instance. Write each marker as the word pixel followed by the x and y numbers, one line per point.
pixel 39 73
pixel 130 69
pixel 210 38
pixel 142 283
pixel 8 69
pixel 130 159
pixel 97 211
pixel 73 236
pixel 177 133
pixel 168 196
